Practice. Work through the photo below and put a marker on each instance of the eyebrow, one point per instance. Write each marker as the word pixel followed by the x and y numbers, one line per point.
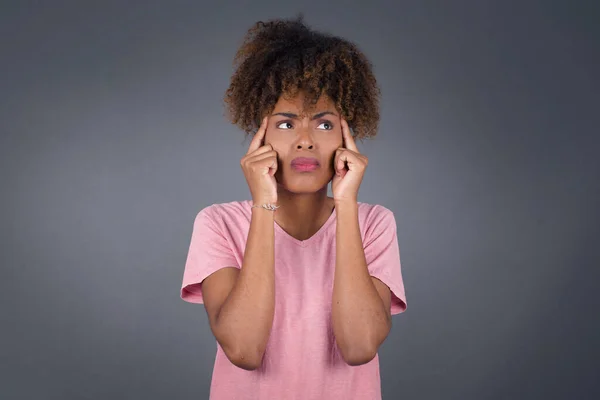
pixel 295 116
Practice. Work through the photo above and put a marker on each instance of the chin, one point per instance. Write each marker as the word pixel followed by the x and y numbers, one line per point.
pixel 306 186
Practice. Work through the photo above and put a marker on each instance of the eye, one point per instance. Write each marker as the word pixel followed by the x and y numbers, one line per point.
pixel 327 123
pixel 282 123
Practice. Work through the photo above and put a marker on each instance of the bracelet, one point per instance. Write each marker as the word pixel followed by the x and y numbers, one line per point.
pixel 268 206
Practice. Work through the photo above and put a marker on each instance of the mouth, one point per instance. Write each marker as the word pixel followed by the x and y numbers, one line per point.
pixel 304 164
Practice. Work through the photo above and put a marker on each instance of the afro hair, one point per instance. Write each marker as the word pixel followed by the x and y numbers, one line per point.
pixel 282 57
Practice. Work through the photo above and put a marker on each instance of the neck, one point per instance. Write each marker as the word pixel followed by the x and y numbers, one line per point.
pixel 302 215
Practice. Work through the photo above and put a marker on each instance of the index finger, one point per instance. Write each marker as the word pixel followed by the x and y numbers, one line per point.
pixel 349 142
pixel 258 136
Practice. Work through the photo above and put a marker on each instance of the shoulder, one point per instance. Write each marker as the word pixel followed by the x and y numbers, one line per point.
pixel 375 219
pixel 374 212
pixel 225 213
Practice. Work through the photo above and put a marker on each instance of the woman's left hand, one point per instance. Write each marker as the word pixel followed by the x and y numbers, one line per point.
pixel 349 166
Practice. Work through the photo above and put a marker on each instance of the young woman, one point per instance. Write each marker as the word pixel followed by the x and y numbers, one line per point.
pixel 299 287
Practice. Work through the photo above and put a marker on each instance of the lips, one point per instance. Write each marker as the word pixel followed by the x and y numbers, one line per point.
pixel 305 161
pixel 305 164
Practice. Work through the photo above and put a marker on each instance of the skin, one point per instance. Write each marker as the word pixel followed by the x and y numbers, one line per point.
pixel 240 303
pixel 302 196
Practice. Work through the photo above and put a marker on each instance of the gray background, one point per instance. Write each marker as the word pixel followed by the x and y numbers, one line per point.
pixel 113 138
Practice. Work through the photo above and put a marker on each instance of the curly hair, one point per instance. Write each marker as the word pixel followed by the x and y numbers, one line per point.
pixel 282 57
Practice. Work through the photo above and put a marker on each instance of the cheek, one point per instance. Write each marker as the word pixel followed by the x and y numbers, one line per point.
pixel 331 159
pixel 277 146
pixel 272 140
pixel 334 143
pixel 275 138
pixel 337 139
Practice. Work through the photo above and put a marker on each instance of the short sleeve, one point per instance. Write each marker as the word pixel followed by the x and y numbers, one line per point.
pixel 382 254
pixel 209 251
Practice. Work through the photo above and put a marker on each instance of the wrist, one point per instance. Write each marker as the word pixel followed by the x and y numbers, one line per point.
pixel 263 200
pixel 345 203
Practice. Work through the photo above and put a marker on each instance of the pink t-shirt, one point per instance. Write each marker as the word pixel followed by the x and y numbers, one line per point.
pixel 301 360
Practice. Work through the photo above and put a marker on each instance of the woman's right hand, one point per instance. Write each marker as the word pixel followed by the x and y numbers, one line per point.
pixel 259 166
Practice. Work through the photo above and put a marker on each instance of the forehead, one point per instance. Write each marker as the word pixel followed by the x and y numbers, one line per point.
pixel 295 104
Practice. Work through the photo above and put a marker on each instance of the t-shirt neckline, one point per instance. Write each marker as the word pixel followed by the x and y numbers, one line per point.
pixel 306 242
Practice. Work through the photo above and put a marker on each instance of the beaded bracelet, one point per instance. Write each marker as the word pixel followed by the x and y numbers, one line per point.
pixel 268 206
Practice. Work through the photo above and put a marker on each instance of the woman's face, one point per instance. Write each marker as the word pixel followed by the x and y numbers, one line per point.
pixel 314 137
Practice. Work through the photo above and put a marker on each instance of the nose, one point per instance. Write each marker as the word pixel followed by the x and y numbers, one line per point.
pixel 305 140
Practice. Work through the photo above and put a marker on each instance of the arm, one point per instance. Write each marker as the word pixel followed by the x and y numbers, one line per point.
pixel 361 314
pixel 240 303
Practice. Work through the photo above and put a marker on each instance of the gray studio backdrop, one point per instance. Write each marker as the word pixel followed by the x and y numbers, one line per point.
pixel 113 138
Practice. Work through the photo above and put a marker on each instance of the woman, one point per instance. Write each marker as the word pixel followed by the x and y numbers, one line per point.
pixel 299 287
